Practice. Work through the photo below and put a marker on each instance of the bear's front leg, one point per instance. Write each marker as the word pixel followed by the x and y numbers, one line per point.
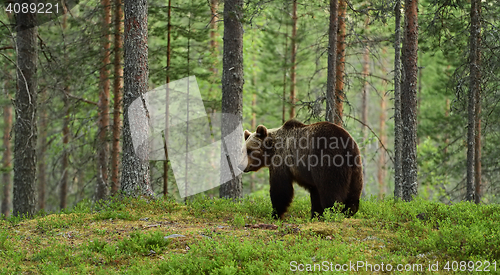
pixel 281 191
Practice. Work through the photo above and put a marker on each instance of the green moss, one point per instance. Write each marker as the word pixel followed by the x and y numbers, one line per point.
pixel 128 236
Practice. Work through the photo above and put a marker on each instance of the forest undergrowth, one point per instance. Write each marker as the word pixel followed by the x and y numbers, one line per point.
pixel 219 236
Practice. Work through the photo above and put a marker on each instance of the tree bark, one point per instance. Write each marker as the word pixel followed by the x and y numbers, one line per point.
pixel 364 95
pixel 102 188
pixel 398 135
pixel 63 191
pixel 340 64
pixel 253 126
pixel 409 100
pixel 6 159
pixel 285 67
pixel 42 176
pixel 477 155
pixel 364 98
pixel 381 173
pixel 332 60
pixel 214 45
pixel 232 88
pixel 293 57
pixel 25 129
pixel 165 141
pixel 117 95
pixel 474 91
pixel 135 171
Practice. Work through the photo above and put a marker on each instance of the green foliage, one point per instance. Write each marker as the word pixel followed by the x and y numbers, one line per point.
pixel 154 242
pixel 4 240
pixel 416 232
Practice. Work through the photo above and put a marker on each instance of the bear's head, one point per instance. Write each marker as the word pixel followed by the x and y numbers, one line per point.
pixel 257 150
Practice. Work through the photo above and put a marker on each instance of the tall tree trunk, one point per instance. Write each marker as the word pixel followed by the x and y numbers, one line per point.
pixel 364 98
pixel 117 98
pixel 409 100
pixel 293 56
pixel 446 135
pixel 364 95
pixel 214 45
pixel 253 126
pixel 398 134
pixel 42 175
pixel 285 67
pixel 165 139
pixel 135 171
pixel 477 152
pixel 102 188
pixel 25 129
pixel 381 173
pixel 232 88
pixel 339 84
pixel 332 61
pixel 6 159
pixel 474 91
pixel 419 97
pixel 63 191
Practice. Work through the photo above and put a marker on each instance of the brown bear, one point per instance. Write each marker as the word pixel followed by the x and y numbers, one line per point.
pixel 321 157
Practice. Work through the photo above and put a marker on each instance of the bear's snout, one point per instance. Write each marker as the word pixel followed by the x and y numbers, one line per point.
pixel 242 167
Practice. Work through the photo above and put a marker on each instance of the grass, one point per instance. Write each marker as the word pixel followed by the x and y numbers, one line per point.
pixel 218 236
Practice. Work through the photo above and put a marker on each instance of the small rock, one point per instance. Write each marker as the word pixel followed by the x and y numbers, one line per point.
pixel 174 236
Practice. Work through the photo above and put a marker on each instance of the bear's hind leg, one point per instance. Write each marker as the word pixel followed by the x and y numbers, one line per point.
pixel 281 193
pixel 316 207
pixel 351 207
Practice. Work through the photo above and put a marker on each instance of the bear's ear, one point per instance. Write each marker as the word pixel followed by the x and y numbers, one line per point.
pixel 247 134
pixel 262 131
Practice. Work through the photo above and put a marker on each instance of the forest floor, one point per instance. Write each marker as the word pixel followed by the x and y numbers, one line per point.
pixel 217 236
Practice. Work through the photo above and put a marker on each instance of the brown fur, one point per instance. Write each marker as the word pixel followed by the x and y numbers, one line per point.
pixel 328 182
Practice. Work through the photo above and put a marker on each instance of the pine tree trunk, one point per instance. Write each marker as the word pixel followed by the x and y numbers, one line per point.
pixel 293 56
pixel 25 129
pixel 364 99
pixel 409 101
pixel 135 179
pixel 63 191
pixel 474 91
pixel 102 188
pixel 398 137
pixel 253 126
pixel 232 88
pixel 42 176
pixel 285 67
pixel 6 159
pixel 381 173
pixel 339 83
pixel 477 156
pixel 364 96
pixel 167 115
pixel 332 61
pixel 214 45
pixel 117 95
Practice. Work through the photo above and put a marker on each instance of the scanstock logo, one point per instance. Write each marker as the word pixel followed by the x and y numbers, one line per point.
pixel 173 117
